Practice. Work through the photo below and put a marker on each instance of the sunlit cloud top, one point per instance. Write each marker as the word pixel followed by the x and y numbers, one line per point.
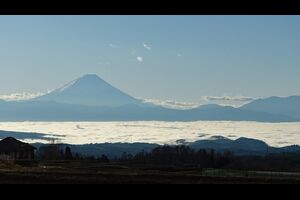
pixel 228 98
pixel 20 96
pixel 172 104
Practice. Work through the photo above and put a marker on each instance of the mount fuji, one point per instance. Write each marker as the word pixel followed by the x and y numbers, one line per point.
pixel 89 90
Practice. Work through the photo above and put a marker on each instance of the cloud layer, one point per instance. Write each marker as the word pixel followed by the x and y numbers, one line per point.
pixel 172 104
pixel 235 101
pixel 228 98
pixel 20 96
pixel 275 134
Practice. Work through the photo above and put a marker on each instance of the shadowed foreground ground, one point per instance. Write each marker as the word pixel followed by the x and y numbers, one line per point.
pixel 93 172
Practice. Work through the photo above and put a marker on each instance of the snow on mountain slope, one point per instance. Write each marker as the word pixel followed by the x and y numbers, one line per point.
pixel 89 90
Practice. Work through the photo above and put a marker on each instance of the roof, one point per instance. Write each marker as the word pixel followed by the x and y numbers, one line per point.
pixel 11 144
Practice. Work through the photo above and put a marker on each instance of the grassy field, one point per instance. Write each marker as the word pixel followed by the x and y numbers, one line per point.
pixel 85 172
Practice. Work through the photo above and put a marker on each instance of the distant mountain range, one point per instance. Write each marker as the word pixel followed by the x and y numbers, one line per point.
pixel 289 106
pixel 90 98
pixel 240 146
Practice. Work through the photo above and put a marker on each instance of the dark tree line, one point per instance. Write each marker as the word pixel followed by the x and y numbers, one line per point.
pixel 180 156
pixel 183 156
pixel 55 152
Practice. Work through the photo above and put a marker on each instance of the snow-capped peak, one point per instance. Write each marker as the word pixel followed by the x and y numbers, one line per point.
pixel 89 90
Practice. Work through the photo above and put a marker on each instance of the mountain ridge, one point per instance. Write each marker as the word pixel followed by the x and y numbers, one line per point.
pixel 289 106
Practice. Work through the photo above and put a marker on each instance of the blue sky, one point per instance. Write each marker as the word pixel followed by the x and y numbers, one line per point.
pixel 180 58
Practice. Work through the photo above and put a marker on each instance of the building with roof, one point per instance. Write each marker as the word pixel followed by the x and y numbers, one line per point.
pixel 13 149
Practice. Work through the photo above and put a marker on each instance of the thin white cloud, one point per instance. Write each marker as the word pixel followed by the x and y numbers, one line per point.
pixel 172 104
pixel 20 96
pixel 147 46
pixel 235 101
pixel 140 59
pixel 228 98
pixel 113 46
pixel 179 54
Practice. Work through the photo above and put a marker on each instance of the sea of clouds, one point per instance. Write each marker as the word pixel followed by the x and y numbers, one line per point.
pixel 275 134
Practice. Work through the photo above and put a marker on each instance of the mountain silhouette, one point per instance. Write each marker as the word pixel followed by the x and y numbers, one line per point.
pixel 289 106
pixel 240 145
pixel 89 90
